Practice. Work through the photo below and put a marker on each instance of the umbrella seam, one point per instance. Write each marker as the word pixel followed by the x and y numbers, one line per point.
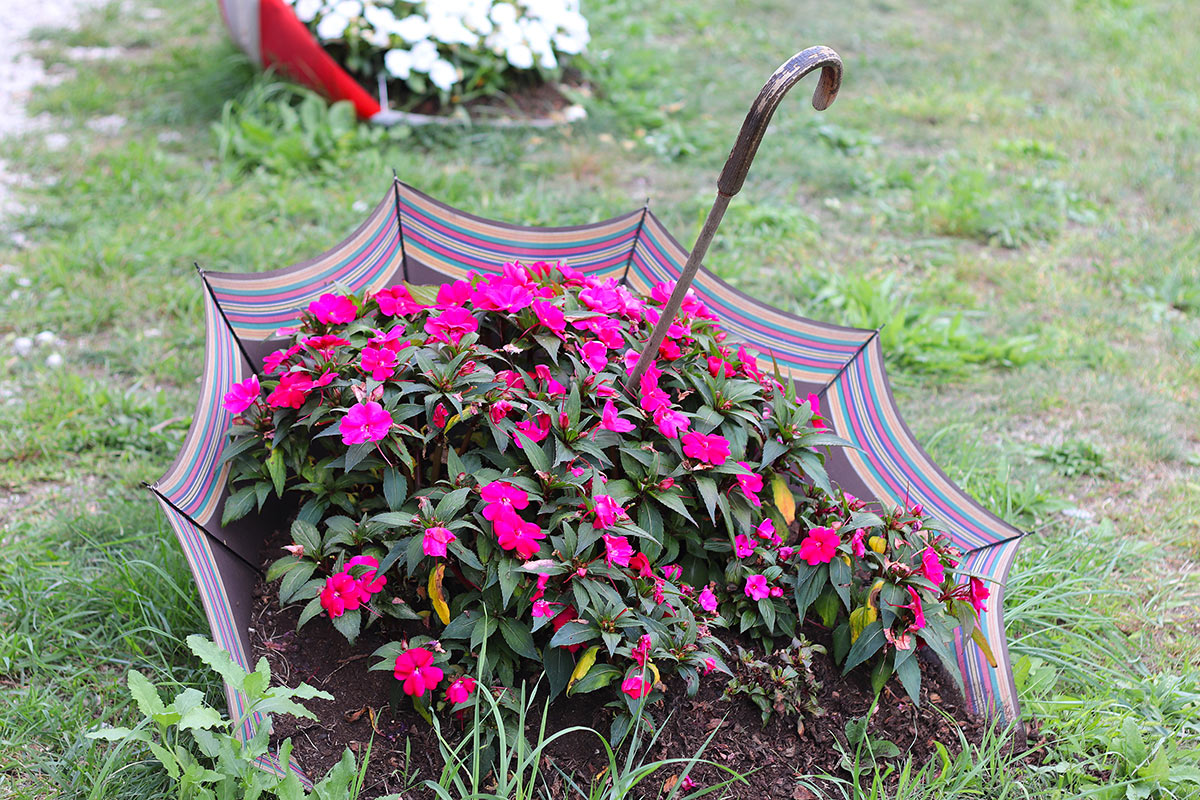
pixel 203 529
pixel 399 225
pixel 232 331
pixel 637 237
pixel 861 348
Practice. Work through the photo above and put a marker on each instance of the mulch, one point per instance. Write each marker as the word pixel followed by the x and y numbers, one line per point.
pixel 728 731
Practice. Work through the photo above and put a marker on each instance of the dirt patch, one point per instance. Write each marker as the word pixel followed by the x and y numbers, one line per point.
pixel 728 731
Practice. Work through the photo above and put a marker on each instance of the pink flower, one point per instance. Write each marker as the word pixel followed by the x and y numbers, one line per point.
pixel 326 378
pixel 979 595
pixel 379 363
pixel 542 580
pixel 461 689
pixel 550 316
pixel 365 422
pixel 820 546
pixel 595 355
pixel 501 295
pixel 602 298
pixel 709 448
pixel 395 301
pixel 786 552
pixel 653 399
pixel 514 533
pixel 512 379
pixel 499 411
pixel 708 600
pixel 915 607
pixel 641 565
pixel 671 423
pixel 610 420
pixel 341 594
pixel 672 572
pixel 369 582
pixel 542 609
pixel 756 587
pixel 814 403
pixel 440 415
pixel 751 484
pixel 669 350
pixel 436 539
pixel 333 309
pixel 856 543
pixel 710 664
pixel 717 365
pixel 454 294
pixel 536 429
pixel 743 546
pixel 291 392
pixel 503 494
pixel 766 530
pixel 932 567
pixel 324 345
pixel 273 362
pixel 607 511
pixel 635 686
pixel 641 651
pixel 451 325
pixel 617 550
pixel 776 591
pixel 415 667
pixel 243 395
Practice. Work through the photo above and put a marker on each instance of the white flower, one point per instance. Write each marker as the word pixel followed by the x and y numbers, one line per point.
pixel 54 360
pixel 398 63
pixel 424 55
pixel 574 113
pixel 519 55
pixel 412 28
pixel 348 8
pixel 46 337
pixel 504 14
pixel 381 19
pixel 443 74
pixel 450 30
pixel 332 26
pixel 306 10
pixel 22 345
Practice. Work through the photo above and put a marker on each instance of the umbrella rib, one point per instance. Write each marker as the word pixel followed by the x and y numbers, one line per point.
pixel 232 332
pixel 1013 538
pixel 861 348
pixel 399 225
pixel 203 529
pixel 637 237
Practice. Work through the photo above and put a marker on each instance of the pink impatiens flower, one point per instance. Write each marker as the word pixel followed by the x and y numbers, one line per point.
pixel 751 484
pixel 291 392
pixel 415 668
pixel 242 395
pixel 820 546
pixel 365 422
pixel 341 594
pixel 610 420
pixel 814 403
pixel 368 581
pixel 440 415
pixel 635 686
pixel 607 511
pixel 451 325
pixel 595 355
pixel 931 566
pixel 395 301
pixel 498 493
pixel 766 530
pixel 461 689
pixel 436 539
pixel 756 587
pixel 617 550
pixel 514 533
pixel 550 316
pixel 671 423
pixel 979 595
pixel 325 345
pixel 379 363
pixel 333 309
pixel 706 447
pixel 915 607
pixel 857 545
pixel 743 546
pixel 536 429
pixel 707 600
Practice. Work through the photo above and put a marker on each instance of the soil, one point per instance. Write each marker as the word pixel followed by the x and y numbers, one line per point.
pixel 404 749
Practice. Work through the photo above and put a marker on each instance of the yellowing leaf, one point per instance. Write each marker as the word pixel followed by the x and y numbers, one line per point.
pixel 435 594
pixel 985 648
pixel 860 618
pixel 586 661
pixel 784 500
pixel 877 543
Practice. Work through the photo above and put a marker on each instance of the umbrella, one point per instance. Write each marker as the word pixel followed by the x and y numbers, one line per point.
pixel 411 237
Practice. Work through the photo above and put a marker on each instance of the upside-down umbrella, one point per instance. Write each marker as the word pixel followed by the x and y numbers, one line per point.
pixel 411 237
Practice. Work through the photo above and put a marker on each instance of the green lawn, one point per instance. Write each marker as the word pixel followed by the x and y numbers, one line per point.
pixel 1010 189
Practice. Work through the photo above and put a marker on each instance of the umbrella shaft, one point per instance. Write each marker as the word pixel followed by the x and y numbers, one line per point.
pixel 681 287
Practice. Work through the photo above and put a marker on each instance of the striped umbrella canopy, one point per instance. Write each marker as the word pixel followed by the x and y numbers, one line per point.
pixel 411 237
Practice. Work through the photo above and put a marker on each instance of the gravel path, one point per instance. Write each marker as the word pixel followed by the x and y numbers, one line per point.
pixel 21 73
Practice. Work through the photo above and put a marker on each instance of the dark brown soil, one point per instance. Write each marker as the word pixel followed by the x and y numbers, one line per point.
pixel 772 756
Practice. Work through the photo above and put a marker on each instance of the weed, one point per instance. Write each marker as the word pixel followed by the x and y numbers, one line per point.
pixel 1074 458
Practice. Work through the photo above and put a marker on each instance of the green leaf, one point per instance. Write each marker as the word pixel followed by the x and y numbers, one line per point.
pixel 708 491
pixel 839 576
pixel 559 665
pixel 312 609
pixel 145 694
pixel 574 632
pixel 598 677
pixel 217 659
pixel 306 535
pixel 908 670
pixel 277 470
pixel 826 605
pixel 518 638
pixel 239 504
pixel 451 503
pixel 395 488
pixel 536 455
pixel 348 624
pixel 810 582
pixel 357 453
pixel 866 645
pixel 766 610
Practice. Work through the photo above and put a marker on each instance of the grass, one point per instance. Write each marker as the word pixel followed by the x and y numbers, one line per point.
pixel 1003 188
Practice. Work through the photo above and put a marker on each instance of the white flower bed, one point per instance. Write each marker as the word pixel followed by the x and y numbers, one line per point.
pixel 457 46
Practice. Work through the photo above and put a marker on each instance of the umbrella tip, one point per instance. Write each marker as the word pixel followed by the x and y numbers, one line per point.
pixel 199 269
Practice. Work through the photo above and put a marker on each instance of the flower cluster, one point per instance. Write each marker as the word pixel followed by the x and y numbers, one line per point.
pixel 450 43
pixel 482 446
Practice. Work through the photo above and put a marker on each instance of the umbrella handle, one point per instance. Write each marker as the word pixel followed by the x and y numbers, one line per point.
pixel 734 174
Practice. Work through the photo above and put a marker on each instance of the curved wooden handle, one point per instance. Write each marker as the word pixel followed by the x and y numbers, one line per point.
pixel 759 116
